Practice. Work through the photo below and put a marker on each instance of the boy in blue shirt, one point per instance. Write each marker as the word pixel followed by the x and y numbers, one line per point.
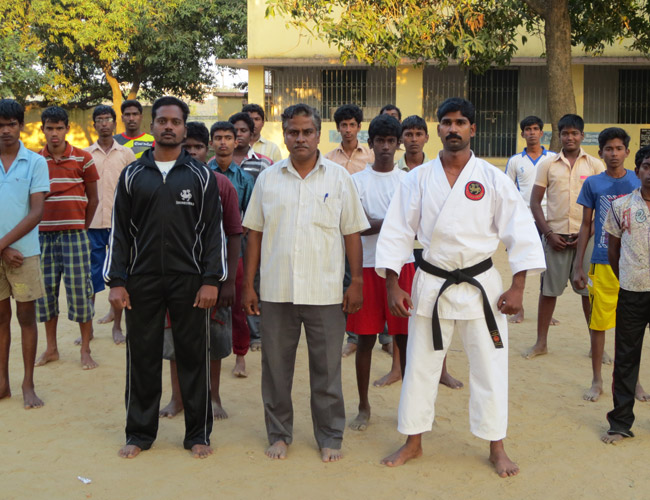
pixel 24 182
pixel 596 196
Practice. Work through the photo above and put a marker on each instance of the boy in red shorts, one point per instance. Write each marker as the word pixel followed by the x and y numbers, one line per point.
pixel 376 185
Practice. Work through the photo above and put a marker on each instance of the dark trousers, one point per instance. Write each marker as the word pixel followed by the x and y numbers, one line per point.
pixel 632 317
pixel 324 327
pixel 150 297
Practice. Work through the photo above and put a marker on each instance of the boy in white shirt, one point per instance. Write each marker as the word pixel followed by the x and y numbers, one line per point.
pixel 376 185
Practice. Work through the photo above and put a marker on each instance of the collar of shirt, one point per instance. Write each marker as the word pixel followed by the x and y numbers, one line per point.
pixel 251 154
pixel 66 154
pixel 525 152
pixel 358 148
pixel 96 147
pixel 290 168
pixel 560 157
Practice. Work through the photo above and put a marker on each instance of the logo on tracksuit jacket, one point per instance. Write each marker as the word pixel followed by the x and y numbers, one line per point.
pixel 186 197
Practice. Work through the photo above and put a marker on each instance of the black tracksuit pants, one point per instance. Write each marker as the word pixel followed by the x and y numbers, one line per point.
pixel 151 296
pixel 632 317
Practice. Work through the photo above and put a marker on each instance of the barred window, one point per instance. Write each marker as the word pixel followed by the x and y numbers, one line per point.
pixel 634 96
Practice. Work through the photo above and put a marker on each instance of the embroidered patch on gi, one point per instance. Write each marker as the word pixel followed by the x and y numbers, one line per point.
pixel 640 215
pixel 474 190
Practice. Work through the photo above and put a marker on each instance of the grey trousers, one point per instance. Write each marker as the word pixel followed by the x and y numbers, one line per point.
pixel 324 327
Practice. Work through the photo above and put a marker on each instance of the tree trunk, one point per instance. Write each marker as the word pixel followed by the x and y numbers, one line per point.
pixel 557 35
pixel 135 86
pixel 117 98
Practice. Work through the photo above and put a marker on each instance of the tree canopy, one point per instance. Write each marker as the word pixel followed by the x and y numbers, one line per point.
pixel 472 33
pixel 84 51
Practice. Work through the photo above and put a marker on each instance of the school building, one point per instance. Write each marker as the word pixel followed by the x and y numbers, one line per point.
pixel 286 66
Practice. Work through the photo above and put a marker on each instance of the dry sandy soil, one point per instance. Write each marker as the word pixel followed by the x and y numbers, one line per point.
pixel 553 433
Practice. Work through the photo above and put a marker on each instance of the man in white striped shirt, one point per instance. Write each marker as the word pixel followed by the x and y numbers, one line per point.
pixel 303 214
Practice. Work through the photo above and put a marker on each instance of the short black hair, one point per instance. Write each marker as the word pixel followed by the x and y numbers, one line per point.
pixel 198 131
pixel 243 117
pixel 301 109
pixel 391 107
pixel 452 104
pixel 222 126
pixel 169 100
pixel 254 108
pixel 384 126
pixel 54 114
pixel 348 112
pixel 102 109
pixel 531 120
pixel 571 121
pixel 613 133
pixel 131 103
pixel 10 108
pixel 414 121
pixel 641 154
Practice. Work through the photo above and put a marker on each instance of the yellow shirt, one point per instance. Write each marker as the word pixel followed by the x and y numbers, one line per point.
pixel 354 163
pixel 563 184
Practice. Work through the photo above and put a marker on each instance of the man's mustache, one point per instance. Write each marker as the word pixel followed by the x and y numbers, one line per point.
pixel 453 136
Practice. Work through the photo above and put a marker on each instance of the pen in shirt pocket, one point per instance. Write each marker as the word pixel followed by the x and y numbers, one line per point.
pixel 325 197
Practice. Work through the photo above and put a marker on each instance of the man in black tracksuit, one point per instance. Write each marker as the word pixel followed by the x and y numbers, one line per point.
pixel 167 252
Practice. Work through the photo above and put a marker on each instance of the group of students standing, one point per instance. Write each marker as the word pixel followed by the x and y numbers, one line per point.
pixel 190 246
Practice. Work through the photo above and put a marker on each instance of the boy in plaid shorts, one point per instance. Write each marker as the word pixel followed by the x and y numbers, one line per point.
pixel 65 248
pixel 24 181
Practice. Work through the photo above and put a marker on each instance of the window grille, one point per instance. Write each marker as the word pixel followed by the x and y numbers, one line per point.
pixel 634 96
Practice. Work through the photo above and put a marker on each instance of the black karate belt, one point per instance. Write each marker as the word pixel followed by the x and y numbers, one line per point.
pixel 454 278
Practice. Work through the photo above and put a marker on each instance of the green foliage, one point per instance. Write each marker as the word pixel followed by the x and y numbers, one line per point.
pixel 79 47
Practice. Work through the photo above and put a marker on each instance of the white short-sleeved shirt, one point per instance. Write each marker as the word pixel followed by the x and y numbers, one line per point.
pixel 375 190
pixel 522 170
pixel 303 222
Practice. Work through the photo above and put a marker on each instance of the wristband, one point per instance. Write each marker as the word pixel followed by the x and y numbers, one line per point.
pixel 550 231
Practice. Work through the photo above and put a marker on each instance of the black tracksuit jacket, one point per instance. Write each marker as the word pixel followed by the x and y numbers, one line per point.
pixel 168 226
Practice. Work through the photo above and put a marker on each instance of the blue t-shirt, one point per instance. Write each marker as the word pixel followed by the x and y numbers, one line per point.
pixel 597 193
pixel 28 174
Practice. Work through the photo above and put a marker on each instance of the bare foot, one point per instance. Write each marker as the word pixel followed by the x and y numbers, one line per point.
pixel 107 319
pixel 240 367
pixel 403 455
pixel 533 352
pixel 277 450
pixel 256 345
pixel 640 394
pixel 218 412
pixel 361 422
pixel 46 357
pixel 612 438
pixel 348 349
pixel 554 322
pixel 387 348
pixel 517 318
pixel 594 392
pixel 129 451
pixel 118 336
pixel 330 455
pixel 173 408
pixel 5 391
pixel 201 451
pixel 77 341
pixel 30 399
pixel 451 382
pixel 390 378
pixel 87 362
pixel 502 464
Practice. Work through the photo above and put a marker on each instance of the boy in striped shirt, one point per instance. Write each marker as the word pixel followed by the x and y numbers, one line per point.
pixel 65 249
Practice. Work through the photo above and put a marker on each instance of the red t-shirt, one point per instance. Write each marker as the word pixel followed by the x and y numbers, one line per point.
pixel 65 205
pixel 229 205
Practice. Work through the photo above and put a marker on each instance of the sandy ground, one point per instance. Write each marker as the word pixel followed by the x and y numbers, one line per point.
pixel 553 433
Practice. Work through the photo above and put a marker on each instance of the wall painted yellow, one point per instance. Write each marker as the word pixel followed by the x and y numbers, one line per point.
pixel 578 77
pixel 408 90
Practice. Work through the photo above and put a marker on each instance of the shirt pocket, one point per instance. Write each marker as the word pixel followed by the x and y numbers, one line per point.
pixel 327 213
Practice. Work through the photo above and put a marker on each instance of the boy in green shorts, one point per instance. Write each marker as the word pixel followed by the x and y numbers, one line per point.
pixel 596 196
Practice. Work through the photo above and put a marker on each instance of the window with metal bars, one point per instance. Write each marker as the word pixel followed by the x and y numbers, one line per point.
pixel 342 86
pixel 634 96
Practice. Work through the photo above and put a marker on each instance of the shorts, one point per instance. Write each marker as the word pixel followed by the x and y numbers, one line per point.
pixel 559 270
pixel 603 296
pixel 374 314
pixel 66 254
pixel 23 283
pixel 220 336
pixel 98 243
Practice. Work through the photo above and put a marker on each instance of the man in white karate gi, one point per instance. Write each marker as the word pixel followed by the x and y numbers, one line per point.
pixel 459 207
